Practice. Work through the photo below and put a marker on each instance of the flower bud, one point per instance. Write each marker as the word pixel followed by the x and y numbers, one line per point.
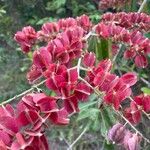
pixel 116 133
pixel 131 141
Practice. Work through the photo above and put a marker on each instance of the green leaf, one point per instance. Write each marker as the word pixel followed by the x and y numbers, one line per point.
pixel 108 119
pixel 101 47
pixel 145 90
pixel 109 146
pixel 90 113
pixel 133 6
pixel 55 4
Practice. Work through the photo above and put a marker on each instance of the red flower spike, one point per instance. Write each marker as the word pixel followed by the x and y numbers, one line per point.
pixel 132 21
pixel 89 59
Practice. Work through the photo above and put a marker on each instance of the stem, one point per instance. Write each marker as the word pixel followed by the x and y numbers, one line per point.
pixel 78 138
pixel 142 6
pixel 145 81
pixel 90 33
pixel 78 66
pixel 21 94
pixel 138 132
pixel 86 83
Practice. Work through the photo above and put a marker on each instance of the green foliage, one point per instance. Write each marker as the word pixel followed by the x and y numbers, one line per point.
pixel 145 90
pixel 101 47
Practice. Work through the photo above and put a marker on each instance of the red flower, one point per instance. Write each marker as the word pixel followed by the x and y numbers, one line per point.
pixel 66 78
pixel 60 117
pixel 33 74
pixel 84 22
pixel 89 59
pixel 143 101
pixel 68 45
pixel 26 38
pixel 42 58
pixel 48 32
pixel 129 78
pixel 119 93
pixel 82 91
pixel 141 61
pixel 128 54
pixel 2 145
pixel 133 113
pixel 49 28
pixel 66 23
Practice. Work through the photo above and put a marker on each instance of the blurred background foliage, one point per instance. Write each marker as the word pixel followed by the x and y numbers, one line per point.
pixel 15 14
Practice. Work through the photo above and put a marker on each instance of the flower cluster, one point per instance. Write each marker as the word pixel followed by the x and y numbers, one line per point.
pixel 106 4
pixel 72 73
pixel 26 38
pixel 134 112
pixel 114 89
pixel 138 46
pixel 120 135
pixel 24 127
pixel 131 21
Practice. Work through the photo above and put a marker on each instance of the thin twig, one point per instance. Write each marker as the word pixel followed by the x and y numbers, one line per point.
pixel 145 81
pixel 92 32
pixel 23 93
pixel 78 66
pixel 138 132
pixel 142 6
pixel 80 78
pixel 78 138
